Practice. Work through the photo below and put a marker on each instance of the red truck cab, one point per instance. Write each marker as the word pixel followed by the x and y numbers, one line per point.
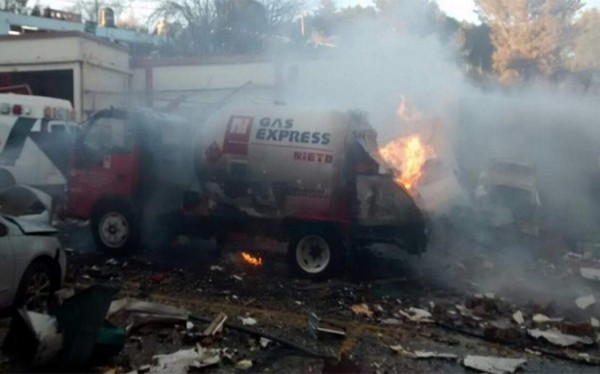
pixel 116 167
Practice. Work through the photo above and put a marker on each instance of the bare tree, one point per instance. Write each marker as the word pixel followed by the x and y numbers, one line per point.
pixel 226 26
pixel 15 6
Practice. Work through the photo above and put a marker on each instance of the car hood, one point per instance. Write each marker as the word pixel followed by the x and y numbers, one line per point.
pixel 32 228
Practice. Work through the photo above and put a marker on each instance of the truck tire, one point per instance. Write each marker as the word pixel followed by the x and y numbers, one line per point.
pixel 6 179
pixel 115 228
pixel 315 252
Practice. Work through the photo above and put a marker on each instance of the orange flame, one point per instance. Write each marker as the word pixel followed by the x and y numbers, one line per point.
pixel 256 261
pixel 408 155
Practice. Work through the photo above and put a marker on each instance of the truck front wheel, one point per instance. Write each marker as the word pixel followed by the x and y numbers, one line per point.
pixel 114 228
pixel 315 252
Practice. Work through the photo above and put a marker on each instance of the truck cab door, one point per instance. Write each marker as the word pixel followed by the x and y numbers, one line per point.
pixel 104 163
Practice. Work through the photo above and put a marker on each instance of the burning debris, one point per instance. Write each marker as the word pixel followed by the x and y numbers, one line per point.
pixel 252 260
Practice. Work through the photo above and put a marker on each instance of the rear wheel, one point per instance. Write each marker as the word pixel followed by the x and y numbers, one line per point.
pixel 315 252
pixel 115 228
pixel 36 287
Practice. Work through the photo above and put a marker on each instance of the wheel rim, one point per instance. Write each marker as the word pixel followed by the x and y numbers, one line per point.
pixel 313 254
pixel 113 230
pixel 38 292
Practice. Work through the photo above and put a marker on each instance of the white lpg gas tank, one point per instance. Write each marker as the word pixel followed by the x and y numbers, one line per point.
pixel 256 149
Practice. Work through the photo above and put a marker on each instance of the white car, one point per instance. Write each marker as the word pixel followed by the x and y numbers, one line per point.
pixel 32 261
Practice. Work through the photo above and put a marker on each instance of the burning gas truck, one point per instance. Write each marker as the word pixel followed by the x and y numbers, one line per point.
pixel 313 178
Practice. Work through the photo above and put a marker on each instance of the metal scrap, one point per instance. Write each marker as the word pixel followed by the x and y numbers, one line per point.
pixel 493 365
pixel 216 325
pixel 556 337
pixel 421 354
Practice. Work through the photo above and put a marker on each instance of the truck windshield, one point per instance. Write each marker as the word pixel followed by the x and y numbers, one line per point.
pixel 109 134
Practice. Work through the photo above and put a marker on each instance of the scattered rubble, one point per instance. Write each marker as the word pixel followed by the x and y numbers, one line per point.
pixel 518 317
pixel 493 365
pixel 248 321
pixel 540 318
pixel 558 338
pixel 590 273
pixel 419 354
pixel 182 360
pixel 417 315
pixel 583 302
pixel 362 309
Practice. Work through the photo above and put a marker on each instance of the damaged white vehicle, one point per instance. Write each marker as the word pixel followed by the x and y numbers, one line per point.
pixel 32 261
pixel 507 195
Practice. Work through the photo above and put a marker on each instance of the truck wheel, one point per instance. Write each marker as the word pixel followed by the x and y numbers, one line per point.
pixel 6 179
pixel 315 252
pixel 115 228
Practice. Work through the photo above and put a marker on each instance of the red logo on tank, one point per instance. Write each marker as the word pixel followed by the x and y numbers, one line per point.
pixel 237 136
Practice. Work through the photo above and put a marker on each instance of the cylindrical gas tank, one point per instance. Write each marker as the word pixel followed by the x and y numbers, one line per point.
pixel 282 156
pixel 106 18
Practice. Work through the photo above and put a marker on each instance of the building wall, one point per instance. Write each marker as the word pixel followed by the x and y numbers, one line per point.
pixel 103 88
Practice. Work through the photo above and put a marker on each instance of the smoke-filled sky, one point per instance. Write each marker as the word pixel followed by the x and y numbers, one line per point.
pixel 459 9
pixel 462 10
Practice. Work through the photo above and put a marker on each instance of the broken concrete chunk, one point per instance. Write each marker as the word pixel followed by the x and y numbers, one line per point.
pixel 248 321
pixel 584 302
pixel 264 342
pixel 401 350
pixel 594 322
pixel 518 317
pixel 417 315
pixel 493 365
pixel 243 365
pixel 540 318
pixel 362 309
pixel 556 337
pixel 590 273
pixel 181 361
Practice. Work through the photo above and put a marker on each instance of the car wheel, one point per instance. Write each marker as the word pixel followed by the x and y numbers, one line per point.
pixel 36 288
pixel 115 228
pixel 315 252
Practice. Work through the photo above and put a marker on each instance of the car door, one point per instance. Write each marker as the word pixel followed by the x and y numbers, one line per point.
pixel 7 266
